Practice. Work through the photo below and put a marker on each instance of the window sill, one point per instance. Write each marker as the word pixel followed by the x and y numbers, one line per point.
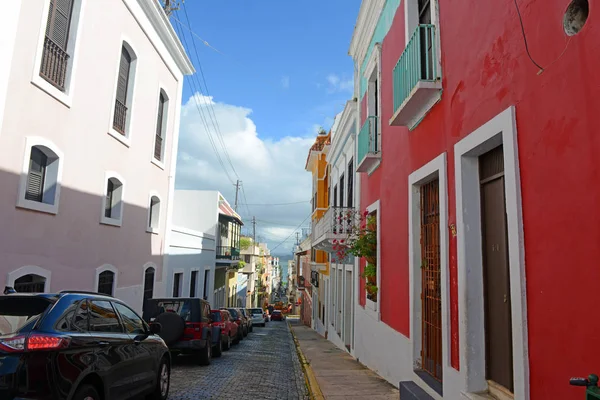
pixel 37 206
pixel 159 164
pixel 47 87
pixel 154 231
pixel 371 309
pixel 110 221
pixel 121 138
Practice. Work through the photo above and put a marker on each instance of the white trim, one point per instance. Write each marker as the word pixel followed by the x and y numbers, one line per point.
pixel 149 227
pixel 164 128
pixel 174 272
pixel 434 169
pixel 368 17
pixel 372 307
pixel 112 221
pixel 107 267
pixel 499 130
pixel 12 276
pixel 73 43
pixel 411 20
pixel 144 269
pixel 46 206
pixel 131 90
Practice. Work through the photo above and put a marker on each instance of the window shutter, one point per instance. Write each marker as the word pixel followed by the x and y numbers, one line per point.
pixel 123 76
pixel 59 20
pixel 159 127
pixel 35 177
pixel 110 187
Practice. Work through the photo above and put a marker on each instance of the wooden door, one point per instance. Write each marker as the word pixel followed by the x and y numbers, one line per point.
pixel 496 275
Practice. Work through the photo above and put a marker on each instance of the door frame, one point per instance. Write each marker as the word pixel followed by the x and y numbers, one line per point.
pixel 500 130
pixel 434 169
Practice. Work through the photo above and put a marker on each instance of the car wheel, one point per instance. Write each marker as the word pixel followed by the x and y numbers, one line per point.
pixel 218 350
pixel 86 392
pixel 163 381
pixel 227 345
pixel 206 353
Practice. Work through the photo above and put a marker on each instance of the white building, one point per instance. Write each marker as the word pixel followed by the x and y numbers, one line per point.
pixel 250 256
pixel 207 213
pixel 89 121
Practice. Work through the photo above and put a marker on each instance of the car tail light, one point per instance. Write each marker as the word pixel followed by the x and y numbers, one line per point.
pixel 33 343
pixel 219 324
pixel 195 326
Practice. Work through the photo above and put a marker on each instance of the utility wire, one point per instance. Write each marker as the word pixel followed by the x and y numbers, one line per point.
pixel 194 84
pixel 204 42
pixel 210 108
pixel 288 238
pixel 279 204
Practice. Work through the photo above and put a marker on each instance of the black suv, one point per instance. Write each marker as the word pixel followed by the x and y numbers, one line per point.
pixel 186 325
pixel 78 346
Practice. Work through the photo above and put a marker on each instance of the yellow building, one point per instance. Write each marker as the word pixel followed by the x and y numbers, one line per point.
pixel 316 163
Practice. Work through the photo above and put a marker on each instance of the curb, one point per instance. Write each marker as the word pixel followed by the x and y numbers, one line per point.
pixel 314 391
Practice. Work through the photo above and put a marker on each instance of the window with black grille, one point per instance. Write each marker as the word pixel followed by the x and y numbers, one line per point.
pixel 106 281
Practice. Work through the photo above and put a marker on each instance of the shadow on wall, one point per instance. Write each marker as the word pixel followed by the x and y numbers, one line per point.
pixel 58 238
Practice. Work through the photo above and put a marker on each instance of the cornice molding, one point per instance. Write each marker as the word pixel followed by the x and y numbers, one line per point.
pixel 368 16
pixel 343 132
pixel 160 22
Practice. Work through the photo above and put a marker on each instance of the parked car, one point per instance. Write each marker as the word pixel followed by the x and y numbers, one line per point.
pixel 186 325
pixel 277 316
pixel 243 321
pixel 248 316
pixel 79 346
pixel 238 320
pixel 224 328
pixel 258 316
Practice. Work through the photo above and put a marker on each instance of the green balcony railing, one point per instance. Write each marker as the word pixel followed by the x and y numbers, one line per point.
pixel 368 140
pixel 418 62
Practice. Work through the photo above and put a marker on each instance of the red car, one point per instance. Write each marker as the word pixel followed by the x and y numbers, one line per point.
pixel 224 328
pixel 277 316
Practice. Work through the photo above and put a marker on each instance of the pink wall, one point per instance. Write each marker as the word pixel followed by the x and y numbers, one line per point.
pixel 484 72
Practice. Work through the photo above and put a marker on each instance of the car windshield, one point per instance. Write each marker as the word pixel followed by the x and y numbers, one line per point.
pixel 180 307
pixel 257 311
pixel 19 314
pixel 276 312
pixel 216 316
pixel 233 313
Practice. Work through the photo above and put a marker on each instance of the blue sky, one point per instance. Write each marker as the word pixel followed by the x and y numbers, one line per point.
pixel 281 71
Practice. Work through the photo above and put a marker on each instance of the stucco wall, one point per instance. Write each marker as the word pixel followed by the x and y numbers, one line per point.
pixel 196 210
pixel 72 244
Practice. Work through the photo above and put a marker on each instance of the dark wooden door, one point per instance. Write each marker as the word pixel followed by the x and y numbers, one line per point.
pixel 496 276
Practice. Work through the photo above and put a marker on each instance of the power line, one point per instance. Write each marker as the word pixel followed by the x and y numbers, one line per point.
pixel 194 33
pixel 279 204
pixel 211 108
pixel 298 227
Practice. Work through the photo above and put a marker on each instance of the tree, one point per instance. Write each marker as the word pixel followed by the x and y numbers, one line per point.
pixel 245 242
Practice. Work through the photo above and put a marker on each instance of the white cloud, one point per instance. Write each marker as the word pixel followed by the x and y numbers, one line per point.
pixel 285 82
pixel 337 84
pixel 272 171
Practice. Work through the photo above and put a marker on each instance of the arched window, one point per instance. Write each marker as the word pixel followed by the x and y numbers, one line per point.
pixel 106 282
pixel 154 214
pixel 161 126
pixel 113 201
pixel 30 283
pixel 148 284
pixel 124 90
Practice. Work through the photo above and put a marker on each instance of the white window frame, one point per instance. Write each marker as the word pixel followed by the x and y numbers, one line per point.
pixel 181 284
pixel 411 20
pixel 165 123
pixel 372 308
pixel 144 269
pixel 154 229
pixel 50 205
pixel 113 221
pixel 114 270
pixel 499 130
pixel 131 87
pixel 434 169
pixel 373 71
pixel 28 270
pixel 65 97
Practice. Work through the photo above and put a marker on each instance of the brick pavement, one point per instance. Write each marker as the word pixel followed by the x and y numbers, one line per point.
pixel 262 366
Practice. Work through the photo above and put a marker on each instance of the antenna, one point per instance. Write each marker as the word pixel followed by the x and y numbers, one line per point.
pixel 171 5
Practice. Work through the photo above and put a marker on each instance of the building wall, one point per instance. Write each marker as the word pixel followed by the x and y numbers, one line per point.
pixel 197 210
pixel 557 148
pixel 191 251
pixel 71 244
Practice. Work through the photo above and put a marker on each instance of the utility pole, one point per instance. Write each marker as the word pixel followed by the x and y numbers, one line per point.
pixel 297 238
pixel 237 189
pixel 254 229
pixel 171 5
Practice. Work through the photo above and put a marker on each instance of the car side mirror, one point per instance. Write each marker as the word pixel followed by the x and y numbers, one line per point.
pixel 155 328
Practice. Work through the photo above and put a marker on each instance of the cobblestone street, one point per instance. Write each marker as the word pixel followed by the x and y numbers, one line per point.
pixel 262 366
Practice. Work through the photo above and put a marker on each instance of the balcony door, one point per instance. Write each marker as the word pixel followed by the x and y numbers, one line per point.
pixel 426 38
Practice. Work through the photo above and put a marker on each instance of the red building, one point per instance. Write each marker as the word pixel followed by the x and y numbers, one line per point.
pixel 483 170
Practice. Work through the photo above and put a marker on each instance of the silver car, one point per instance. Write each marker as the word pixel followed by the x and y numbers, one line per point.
pixel 258 316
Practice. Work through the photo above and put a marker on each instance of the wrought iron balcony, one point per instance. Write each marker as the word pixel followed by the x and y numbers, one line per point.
pixel 54 64
pixel 369 146
pixel 335 225
pixel 228 253
pixel 120 118
pixel 416 78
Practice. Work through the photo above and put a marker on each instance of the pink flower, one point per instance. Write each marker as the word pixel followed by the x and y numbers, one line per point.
pixel 365 213
pixel 342 241
pixel 335 241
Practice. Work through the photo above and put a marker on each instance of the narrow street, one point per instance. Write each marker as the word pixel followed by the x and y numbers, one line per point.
pixel 262 366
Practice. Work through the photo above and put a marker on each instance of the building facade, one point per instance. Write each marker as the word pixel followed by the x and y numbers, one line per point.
pixel 209 212
pixel 477 165
pixel 89 122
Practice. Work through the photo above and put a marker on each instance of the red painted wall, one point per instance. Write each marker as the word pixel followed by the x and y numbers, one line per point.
pixel 486 70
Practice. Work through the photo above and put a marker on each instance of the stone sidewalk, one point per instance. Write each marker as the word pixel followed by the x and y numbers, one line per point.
pixel 334 372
